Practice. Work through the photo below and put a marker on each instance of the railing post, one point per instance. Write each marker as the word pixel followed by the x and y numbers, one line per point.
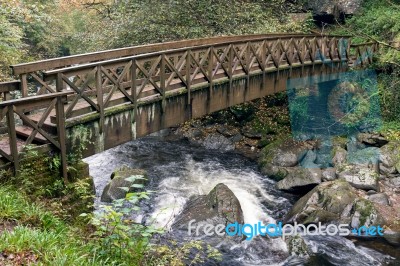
pixel 248 66
pixel 134 97
pixel 99 94
pixel 230 72
pixel 24 85
pixel 263 61
pixel 60 120
pixel 134 94
pixel 188 81
pixel 162 83
pixel 163 90
pixel 210 77
pixel 12 137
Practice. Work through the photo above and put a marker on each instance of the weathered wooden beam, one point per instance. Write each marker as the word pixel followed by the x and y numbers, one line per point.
pixel 10 86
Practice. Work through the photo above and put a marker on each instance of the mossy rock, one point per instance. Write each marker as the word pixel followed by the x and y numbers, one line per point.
pixel 333 202
pixel 119 185
pixel 284 152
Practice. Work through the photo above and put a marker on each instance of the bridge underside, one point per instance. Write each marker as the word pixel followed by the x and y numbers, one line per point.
pixel 121 126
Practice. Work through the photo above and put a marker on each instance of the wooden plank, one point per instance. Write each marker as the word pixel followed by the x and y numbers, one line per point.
pixel 10 86
pixel 25 132
pixel 34 99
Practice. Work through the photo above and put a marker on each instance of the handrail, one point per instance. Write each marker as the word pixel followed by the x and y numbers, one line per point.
pixel 141 49
pixel 8 86
pixel 170 51
pixel 34 98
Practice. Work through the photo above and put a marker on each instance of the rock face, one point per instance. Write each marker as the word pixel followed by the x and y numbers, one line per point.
pixel 113 190
pixel 333 202
pixel 220 206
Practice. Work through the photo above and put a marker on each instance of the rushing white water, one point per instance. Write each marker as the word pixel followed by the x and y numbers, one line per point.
pixel 199 178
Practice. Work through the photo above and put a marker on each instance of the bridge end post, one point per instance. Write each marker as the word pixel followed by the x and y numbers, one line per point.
pixel 60 117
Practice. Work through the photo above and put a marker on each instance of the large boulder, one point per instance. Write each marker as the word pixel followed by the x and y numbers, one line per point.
pixel 372 139
pixel 123 180
pixel 332 7
pixel 216 141
pixel 333 202
pixel 389 157
pixel 278 155
pixel 300 180
pixel 220 206
pixel 359 176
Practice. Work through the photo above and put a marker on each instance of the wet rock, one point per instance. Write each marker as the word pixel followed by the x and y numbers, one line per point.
pixel 333 202
pixel 220 206
pixel 297 246
pixel 218 142
pixel 274 172
pixel 309 160
pixel 363 156
pixel 372 139
pixel 389 157
pixel 330 7
pixel 227 132
pixel 121 179
pixel 284 152
pixel 380 198
pixel 392 237
pixel 353 145
pixel 339 156
pixel 329 174
pixel 395 181
pixel 359 176
pixel 251 134
pixel 236 138
pixel 300 180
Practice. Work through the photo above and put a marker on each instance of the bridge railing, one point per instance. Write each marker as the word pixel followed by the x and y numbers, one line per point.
pixel 11 147
pixel 7 87
pixel 362 54
pixel 149 76
pixel 32 72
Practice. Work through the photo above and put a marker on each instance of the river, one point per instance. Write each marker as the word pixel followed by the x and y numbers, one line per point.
pixel 178 170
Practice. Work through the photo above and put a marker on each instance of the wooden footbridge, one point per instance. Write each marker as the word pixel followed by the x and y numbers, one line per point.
pixel 110 97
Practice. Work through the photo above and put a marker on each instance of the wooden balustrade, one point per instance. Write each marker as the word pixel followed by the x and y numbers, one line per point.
pixel 19 107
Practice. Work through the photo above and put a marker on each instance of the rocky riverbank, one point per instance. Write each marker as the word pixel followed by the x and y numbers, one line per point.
pixel 353 180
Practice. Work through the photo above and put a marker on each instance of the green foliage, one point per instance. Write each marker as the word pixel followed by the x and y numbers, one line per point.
pixel 37 174
pixel 389 91
pixel 13 206
pixel 118 235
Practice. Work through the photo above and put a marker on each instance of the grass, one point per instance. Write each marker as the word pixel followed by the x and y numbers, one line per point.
pixel 39 232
